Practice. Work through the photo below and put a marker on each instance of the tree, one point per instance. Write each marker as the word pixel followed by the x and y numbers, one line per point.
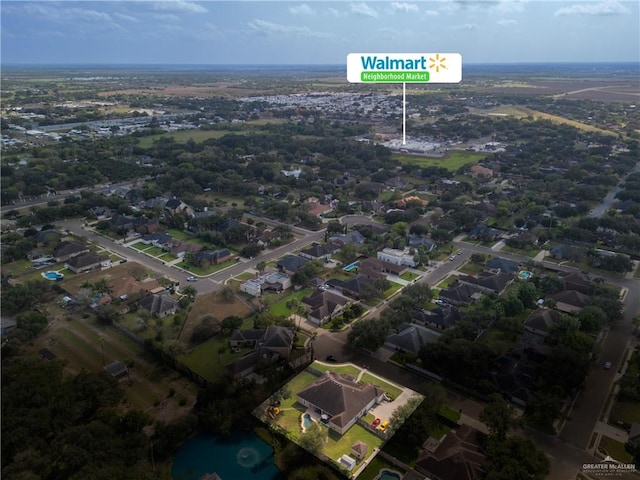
pixel 190 292
pixel 313 438
pixel 514 459
pixel 498 416
pixel 260 266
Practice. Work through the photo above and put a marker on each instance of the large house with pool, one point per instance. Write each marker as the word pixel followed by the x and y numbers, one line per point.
pixel 341 399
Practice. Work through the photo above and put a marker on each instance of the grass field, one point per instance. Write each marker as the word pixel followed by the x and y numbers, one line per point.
pixel 183 136
pixel 212 304
pixel 210 358
pixel 615 449
pixel 86 345
pixel 626 410
pixel 408 276
pixel 452 161
pixel 280 308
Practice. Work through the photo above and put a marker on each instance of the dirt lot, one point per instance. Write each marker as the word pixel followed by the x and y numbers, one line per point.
pixel 211 304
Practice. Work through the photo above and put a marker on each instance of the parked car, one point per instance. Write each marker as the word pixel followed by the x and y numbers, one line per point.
pixel 607 365
pixel 375 423
pixel 452 258
pixel 192 279
pixel 383 426
pixel 330 358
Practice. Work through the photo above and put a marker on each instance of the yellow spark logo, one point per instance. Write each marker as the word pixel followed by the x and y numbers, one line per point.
pixel 437 62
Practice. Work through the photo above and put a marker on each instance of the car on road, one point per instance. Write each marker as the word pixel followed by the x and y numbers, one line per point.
pixel 375 423
pixel 330 358
pixel 459 252
pixel 383 426
pixel 607 365
pixel 452 258
pixel 192 279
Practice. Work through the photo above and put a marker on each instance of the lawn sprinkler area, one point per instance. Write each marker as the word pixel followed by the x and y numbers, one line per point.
pixel 53 276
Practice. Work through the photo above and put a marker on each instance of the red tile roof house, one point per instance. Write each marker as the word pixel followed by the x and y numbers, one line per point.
pixel 341 398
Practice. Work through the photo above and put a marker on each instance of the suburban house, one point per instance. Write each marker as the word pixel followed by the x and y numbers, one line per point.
pixel 577 281
pixel 397 257
pixel 67 249
pixel 376 268
pixel 487 282
pixel 127 286
pixel 341 398
pixel 275 339
pixel 322 306
pixel 515 377
pixel 275 282
pixel 206 258
pixel 159 305
pixel 177 207
pixel 458 457
pixel 352 238
pixel 570 301
pixel 269 345
pixel 157 239
pixel 356 287
pixel 47 237
pixel 417 241
pixel 319 250
pixel 461 294
pixel 444 316
pixel 501 265
pixel 180 248
pixel 541 320
pixel 411 338
pixel 484 233
pixel 290 264
pixel 84 262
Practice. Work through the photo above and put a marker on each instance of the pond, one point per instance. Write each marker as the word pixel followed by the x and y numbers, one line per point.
pixel 240 456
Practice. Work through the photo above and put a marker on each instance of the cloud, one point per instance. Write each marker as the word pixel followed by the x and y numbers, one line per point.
pixel 431 13
pixel 127 18
pixel 505 23
pixel 336 13
pixel 404 7
pixel 302 9
pixel 466 26
pixel 180 6
pixel 266 27
pixel 363 9
pixel 607 7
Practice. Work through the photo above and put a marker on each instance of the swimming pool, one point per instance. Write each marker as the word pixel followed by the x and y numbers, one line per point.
pixel 525 275
pixel 388 475
pixel 306 421
pixel 350 267
pixel 52 275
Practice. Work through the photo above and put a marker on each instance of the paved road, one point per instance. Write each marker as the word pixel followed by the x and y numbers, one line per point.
pixel 204 285
pixel 607 202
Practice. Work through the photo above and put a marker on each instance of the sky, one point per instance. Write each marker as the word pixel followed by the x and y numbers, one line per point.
pixel 316 32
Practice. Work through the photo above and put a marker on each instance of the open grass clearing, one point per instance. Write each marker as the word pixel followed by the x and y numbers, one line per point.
pixel 202 271
pixel 452 161
pixel 280 308
pixel 392 289
pixel 389 389
pixel 338 445
pixel 627 410
pixel 409 276
pixel 183 136
pixel 210 358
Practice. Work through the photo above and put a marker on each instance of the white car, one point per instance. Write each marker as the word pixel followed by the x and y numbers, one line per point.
pixel 192 279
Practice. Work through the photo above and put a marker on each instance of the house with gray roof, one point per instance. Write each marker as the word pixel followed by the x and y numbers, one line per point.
pixel 489 283
pixel 341 398
pixel 290 264
pixel 269 345
pixel 85 262
pixel 67 249
pixel 541 320
pixel 411 338
pixel 354 238
pixel 501 265
pixel 159 305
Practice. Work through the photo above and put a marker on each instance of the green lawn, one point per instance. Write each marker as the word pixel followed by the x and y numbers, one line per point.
pixel 452 161
pixel 280 308
pixel 390 390
pixel 140 246
pixel 531 252
pixel 341 369
pixel 615 449
pixel 210 358
pixel 626 410
pixel 244 276
pixel 154 251
pixel 408 276
pixel 337 445
pixel 18 267
pixel 391 290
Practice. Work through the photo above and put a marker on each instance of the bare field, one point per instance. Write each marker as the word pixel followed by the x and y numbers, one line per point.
pixel 211 304
pixel 522 112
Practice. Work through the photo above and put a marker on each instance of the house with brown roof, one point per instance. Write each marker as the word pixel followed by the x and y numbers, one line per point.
pixel 322 306
pixel 84 262
pixel 341 398
pixel 488 282
pixel 68 249
pixel 159 305
pixel 541 320
pixel 458 457
pixel 570 301
pixel 578 281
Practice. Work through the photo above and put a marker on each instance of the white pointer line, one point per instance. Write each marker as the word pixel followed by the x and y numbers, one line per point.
pixel 404 114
